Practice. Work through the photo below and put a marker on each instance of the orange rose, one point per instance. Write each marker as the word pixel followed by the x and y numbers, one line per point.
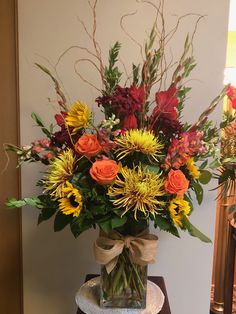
pixel 88 145
pixel 104 171
pixel 176 182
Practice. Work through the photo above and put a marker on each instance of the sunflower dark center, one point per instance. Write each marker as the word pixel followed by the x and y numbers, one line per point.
pixel 73 201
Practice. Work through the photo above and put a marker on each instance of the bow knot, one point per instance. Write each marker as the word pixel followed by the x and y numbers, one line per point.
pixel 108 247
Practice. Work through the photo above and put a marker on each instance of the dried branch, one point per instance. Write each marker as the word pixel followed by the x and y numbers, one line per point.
pixel 75 47
pixel 62 100
pixel 95 43
pixel 129 76
pixel 82 78
pixel 131 37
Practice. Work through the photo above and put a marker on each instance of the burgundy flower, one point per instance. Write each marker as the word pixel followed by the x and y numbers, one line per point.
pixel 164 124
pixel 125 102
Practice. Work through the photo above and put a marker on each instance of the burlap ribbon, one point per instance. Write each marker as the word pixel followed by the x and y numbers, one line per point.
pixel 142 248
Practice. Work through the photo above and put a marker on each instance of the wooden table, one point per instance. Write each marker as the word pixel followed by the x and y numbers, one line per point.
pixel 159 281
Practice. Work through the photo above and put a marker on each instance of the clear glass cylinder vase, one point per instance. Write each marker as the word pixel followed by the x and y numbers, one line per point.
pixel 125 286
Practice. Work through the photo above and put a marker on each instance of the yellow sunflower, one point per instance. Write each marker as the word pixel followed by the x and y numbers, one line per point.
pixel 193 170
pixel 60 170
pixel 137 190
pixel 178 209
pixel 141 141
pixel 71 203
pixel 78 116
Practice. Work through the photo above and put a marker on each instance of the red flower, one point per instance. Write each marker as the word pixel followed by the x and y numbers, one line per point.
pixel 60 118
pixel 167 102
pixel 130 122
pixel 231 93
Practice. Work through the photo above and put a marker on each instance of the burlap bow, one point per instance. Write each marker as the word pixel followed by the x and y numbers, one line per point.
pixel 142 248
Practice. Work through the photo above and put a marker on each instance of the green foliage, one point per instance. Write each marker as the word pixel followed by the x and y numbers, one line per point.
pixel 80 224
pixel 182 95
pixel 40 123
pixel 163 223
pixel 61 221
pixel 136 73
pixel 197 188
pixel 226 180
pixel 203 165
pixel 111 223
pixel 47 206
pixel 111 73
pixel 31 201
pixel 205 176
pixel 193 231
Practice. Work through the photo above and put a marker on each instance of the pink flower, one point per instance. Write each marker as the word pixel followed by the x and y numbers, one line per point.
pixel 44 142
pixel 231 93
pixel 180 149
pixel 37 149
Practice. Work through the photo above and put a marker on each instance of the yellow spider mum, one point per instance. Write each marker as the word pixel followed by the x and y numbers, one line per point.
pixel 178 209
pixel 141 141
pixel 193 170
pixel 60 170
pixel 78 116
pixel 71 203
pixel 137 190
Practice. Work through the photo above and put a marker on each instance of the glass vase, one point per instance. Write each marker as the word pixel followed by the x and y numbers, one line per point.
pixel 125 286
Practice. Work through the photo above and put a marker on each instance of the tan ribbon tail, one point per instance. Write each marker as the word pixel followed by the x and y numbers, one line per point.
pixel 107 251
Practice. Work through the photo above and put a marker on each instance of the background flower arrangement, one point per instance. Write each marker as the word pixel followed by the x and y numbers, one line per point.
pixel 138 163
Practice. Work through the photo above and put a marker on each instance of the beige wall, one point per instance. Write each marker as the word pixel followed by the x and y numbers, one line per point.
pixel 55 264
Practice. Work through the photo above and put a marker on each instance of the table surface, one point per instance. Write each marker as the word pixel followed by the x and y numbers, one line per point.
pixel 159 281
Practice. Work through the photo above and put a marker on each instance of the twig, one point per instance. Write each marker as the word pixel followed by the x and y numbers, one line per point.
pixel 81 77
pixel 131 37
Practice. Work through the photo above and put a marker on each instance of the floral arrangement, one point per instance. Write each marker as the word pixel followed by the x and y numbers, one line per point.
pixel 142 162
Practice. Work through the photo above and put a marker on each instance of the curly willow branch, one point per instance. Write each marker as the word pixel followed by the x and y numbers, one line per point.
pixel 81 77
pixel 125 31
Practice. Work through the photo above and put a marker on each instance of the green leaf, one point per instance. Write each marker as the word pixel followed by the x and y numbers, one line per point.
pixel 214 164
pixel 31 201
pixel 40 123
pixel 198 191
pixel 193 231
pixel 37 119
pixel 152 168
pixel 203 165
pixel 45 214
pixel 205 176
pixel 164 224
pixel 118 222
pixel 61 221
pixel 136 69
pixel 105 226
pixel 80 224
